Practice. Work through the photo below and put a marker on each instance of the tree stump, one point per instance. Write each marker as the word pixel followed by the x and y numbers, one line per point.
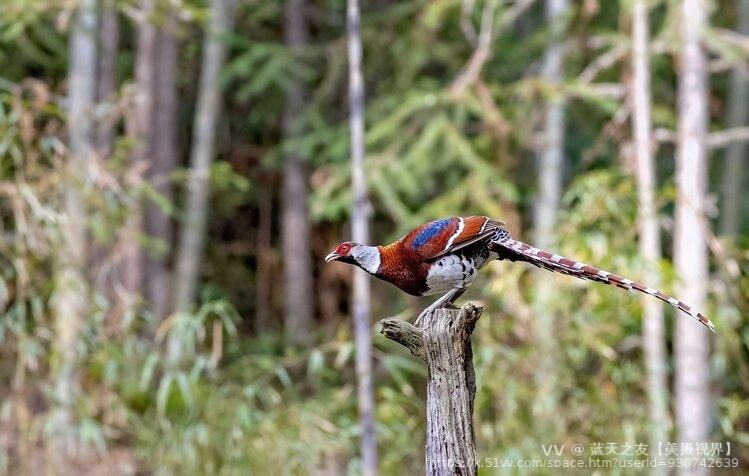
pixel 444 343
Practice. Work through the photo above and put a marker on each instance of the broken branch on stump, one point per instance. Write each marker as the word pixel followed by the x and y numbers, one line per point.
pixel 443 342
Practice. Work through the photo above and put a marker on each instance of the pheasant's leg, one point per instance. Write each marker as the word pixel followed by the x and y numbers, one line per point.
pixel 450 304
pixel 438 303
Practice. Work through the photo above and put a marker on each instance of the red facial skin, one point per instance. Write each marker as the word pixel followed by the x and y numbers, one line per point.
pixel 343 249
pixel 342 253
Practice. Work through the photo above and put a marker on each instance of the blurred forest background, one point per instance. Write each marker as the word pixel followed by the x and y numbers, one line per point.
pixel 172 173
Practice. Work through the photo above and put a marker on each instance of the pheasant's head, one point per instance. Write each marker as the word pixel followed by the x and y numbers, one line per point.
pixel 363 256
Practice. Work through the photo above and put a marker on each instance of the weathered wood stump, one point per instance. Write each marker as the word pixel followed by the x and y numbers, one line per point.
pixel 444 343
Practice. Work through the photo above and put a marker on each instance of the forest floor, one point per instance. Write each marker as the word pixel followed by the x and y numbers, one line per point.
pixel 25 456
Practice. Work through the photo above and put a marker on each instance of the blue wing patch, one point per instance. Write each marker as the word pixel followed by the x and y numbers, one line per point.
pixel 430 231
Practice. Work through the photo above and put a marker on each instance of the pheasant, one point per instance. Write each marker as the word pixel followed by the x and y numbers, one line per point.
pixel 445 256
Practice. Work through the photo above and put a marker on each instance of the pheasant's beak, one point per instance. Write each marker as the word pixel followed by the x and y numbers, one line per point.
pixel 332 257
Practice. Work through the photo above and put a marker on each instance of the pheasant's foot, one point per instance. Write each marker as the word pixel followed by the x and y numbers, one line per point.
pixel 441 302
pixel 421 317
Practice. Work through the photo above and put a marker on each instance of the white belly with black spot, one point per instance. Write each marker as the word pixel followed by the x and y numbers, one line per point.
pixel 453 271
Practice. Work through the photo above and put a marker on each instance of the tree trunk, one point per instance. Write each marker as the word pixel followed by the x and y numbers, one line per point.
pixel 132 265
pixel 551 164
pixel 360 234
pixel 106 125
pixel 164 158
pixel 198 185
pixel 264 248
pixel 733 175
pixel 444 343
pixel 299 300
pixel 690 252
pixel 106 87
pixel 69 302
pixel 653 333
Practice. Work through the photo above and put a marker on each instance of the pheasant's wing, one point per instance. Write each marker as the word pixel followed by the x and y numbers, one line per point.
pixel 436 238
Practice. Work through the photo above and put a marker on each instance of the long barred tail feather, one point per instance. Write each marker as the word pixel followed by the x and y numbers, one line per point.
pixel 514 250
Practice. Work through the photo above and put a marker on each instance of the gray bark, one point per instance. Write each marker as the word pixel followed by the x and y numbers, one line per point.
pixel 164 158
pixel 550 168
pixel 738 113
pixel 551 159
pixel 142 125
pixel 106 88
pixel 107 117
pixel 692 381
pixel 360 234
pixel 298 300
pixel 653 331
pixel 444 343
pixel 203 149
pixel 69 304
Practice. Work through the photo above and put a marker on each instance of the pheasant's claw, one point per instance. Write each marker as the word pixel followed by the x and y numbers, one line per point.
pixel 421 317
pixel 442 302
